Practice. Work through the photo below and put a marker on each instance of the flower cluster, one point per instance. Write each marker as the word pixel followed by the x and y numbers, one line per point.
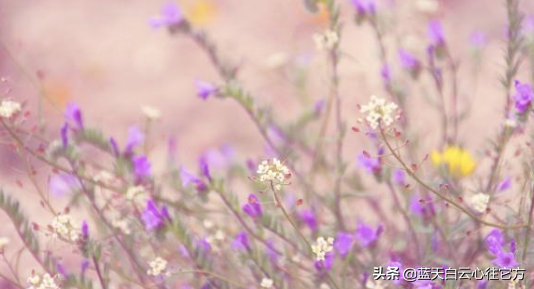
pixel 458 161
pixel 42 282
pixel 273 172
pixel 9 108
pixel 64 227
pixel 479 202
pixel 158 267
pixel 379 112
pixel 326 40
pixel 322 247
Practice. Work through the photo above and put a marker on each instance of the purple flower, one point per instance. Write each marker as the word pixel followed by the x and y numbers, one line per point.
pixel 478 40
pixel 523 96
pixel 326 265
pixel 385 73
pixel 74 114
pixel 435 32
pixel 253 207
pixel 399 177
pixel 364 7
pixel 369 164
pixel 64 134
pixel 85 230
pixel 153 217
pixel 482 284
pixel 114 147
pixel 63 184
pixel 188 178
pixel 309 217
pixel 505 260
pixel 241 242
pixel 205 89
pixel 505 184
pixel 408 61
pixel 366 235
pixel 135 138
pixel 204 167
pixel 141 167
pixel 395 264
pixel 171 15
pixel 61 270
pixel 319 107
pixel 343 243
pixel 84 265
pixel 220 157
pixel 495 241
pixel 421 207
pixel 203 245
pixel 528 26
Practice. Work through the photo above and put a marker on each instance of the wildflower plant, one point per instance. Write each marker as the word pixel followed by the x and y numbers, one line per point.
pixel 309 212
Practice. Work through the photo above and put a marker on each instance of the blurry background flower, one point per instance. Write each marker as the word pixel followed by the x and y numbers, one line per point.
pixel 457 161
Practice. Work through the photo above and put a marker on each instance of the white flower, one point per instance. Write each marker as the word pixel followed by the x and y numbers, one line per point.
pixel 479 202
pixel 136 193
pixel 274 172
pixel 208 224
pixel 322 247
pixel 158 267
pixel 266 283
pixel 3 243
pixel 8 108
pixel 46 282
pixel 63 226
pixel 103 177
pixel 151 112
pixel 325 40
pixel 374 284
pixel 510 122
pixel 277 60
pixel 378 111
pixel 324 286
pixel 122 224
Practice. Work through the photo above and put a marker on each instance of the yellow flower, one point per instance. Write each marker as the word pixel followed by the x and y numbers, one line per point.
pixel 458 161
pixel 200 12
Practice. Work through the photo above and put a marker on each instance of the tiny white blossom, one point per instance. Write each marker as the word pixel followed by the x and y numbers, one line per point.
pixel 103 177
pixel 324 286
pixel 136 193
pixel 151 112
pixel 63 226
pixel 208 224
pixel 479 202
pixel 8 108
pixel 266 283
pixel 3 243
pixel 158 267
pixel 322 247
pixel 325 40
pixel 510 122
pixel 122 224
pixel 44 282
pixel 274 172
pixel 374 284
pixel 379 111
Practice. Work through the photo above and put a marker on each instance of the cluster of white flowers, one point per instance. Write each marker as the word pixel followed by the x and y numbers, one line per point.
pixel 158 267
pixel 479 202
pixel 266 283
pixel 122 224
pixel 3 243
pixel 378 110
pixel 137 194
pixel 325 40
pixel 322 247
pixel 44 282
pixel 64 226
pixel 8 108
pixel 273 172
